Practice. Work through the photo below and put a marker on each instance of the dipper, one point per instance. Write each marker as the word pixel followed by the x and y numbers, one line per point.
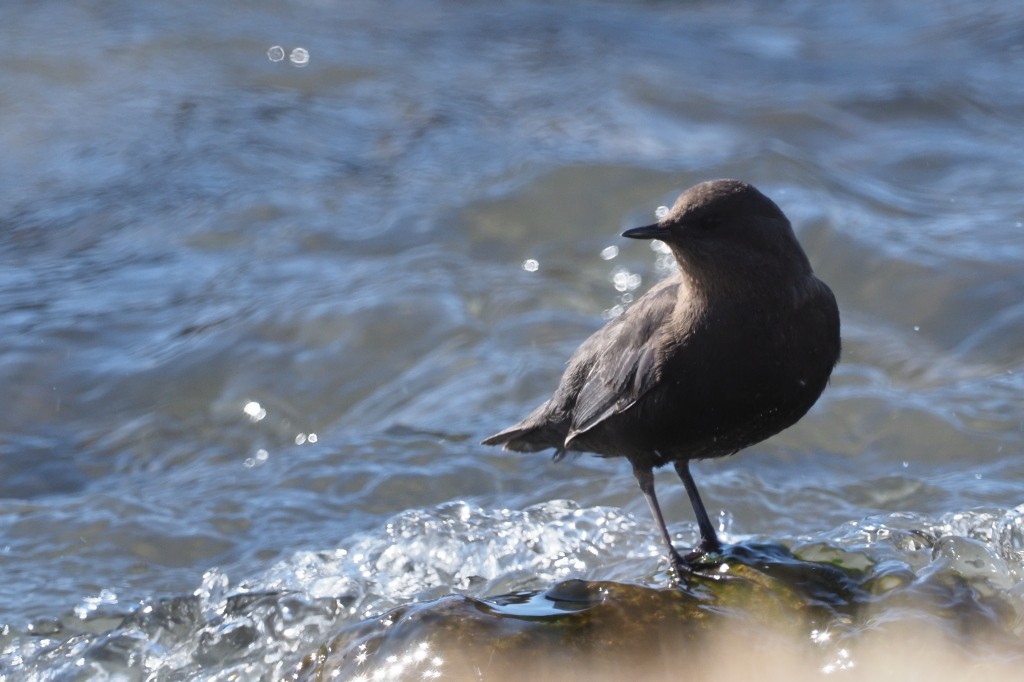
pixel 730 350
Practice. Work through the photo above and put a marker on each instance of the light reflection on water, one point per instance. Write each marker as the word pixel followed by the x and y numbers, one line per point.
pixel 256 316
pixel 383 603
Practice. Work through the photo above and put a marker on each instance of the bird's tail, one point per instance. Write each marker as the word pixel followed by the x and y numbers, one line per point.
pixel 517 438
pixel 525 438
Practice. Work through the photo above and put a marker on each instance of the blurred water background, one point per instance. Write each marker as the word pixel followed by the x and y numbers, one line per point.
pixel 270 270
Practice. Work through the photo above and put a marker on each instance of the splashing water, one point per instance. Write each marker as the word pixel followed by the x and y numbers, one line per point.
pixel 268 623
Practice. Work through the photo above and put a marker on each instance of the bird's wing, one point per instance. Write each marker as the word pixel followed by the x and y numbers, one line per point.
pixel 624 363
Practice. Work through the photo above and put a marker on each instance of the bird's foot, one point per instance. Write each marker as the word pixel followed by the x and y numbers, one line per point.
pixel 686 565
pixel 689 563
pixel 680 565
pixel 703 548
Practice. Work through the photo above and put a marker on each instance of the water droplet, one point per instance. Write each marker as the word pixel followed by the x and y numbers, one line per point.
pixel 659 246
pixel 261 457
pixel 613 312
pixel 276 53
pixel 299 56
pixel 609 252
pixel 254 411
pixel 90 605
pixel 530 265
pixel 44 626
pixel 624 280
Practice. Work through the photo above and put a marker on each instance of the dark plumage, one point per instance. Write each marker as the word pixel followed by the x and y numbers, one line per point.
pixel 732 349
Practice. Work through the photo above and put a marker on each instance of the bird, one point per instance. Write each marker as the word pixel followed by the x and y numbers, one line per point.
pixel 731 349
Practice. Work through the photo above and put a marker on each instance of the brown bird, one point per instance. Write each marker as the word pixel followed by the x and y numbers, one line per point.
pixel 732 349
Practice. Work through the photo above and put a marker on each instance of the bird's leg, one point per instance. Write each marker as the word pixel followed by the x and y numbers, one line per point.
pixel 645 478
pixel 708 538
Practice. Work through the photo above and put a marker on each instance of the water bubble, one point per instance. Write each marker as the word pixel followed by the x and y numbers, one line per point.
pixel 917 328
pixel 661 212
pixel 530 265
pixel 276 53
pixel 300 439
pixel 299 56
pixel 609 252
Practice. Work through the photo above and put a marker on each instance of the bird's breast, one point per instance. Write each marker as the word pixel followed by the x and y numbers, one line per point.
pixel 736 378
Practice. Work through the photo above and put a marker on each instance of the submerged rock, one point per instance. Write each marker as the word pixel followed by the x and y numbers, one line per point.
pixel 753 601
pixel 892 597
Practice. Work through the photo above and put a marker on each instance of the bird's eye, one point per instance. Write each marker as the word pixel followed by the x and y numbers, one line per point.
pixel 708 222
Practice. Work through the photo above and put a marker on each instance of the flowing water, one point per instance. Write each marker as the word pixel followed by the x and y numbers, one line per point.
pixel 269 271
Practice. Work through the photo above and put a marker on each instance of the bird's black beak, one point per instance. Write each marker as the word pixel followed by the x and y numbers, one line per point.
pixel 655 231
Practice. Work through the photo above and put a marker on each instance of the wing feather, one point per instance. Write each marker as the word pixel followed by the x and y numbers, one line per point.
pixel 623 364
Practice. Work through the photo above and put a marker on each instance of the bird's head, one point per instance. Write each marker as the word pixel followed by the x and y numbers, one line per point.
pixel 727 228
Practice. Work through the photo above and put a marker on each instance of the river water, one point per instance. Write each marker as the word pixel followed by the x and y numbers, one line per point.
pixel 269 271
